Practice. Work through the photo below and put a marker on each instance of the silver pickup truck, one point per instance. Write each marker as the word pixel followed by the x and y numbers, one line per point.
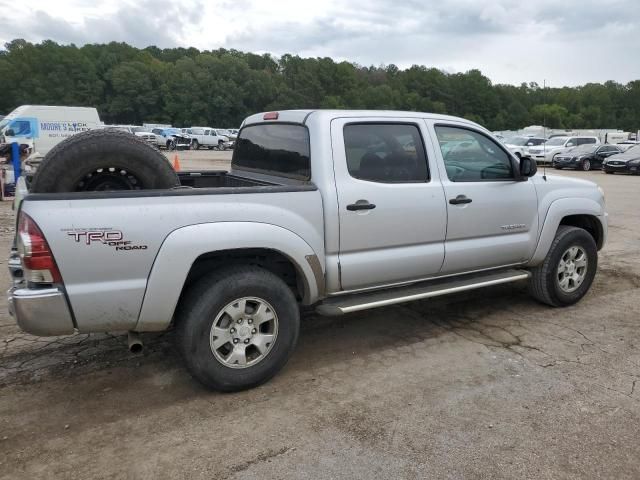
pixel 337 210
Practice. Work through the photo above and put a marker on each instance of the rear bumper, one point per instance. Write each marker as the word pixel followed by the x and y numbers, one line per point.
pixel 41 312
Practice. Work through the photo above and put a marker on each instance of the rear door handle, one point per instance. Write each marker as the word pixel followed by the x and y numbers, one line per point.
pixel 361 205
pixel 459 200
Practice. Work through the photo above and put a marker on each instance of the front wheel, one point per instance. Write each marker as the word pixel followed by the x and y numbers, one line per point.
pixel 195 145
pixel 566 274
pixel 586 165
pixel 237 328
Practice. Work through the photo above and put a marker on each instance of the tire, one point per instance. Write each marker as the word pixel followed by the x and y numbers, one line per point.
pixel 544 284
pixel 205 305
pixel 171 145
pixel 103 160
pixel 195 145
pixel 221 145
pixel 586 165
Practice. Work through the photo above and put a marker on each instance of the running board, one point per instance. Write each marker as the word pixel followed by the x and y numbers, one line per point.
pixel 433 288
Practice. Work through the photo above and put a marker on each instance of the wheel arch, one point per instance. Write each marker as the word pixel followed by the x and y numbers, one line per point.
pixel 189 252
pixel 578 212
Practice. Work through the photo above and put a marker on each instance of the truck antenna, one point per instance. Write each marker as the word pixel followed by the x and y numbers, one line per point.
pixel 544 129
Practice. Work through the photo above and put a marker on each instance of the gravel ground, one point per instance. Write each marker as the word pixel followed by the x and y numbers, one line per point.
pixel 488 384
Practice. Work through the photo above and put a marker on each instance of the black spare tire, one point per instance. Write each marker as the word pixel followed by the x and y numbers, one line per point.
pixel 103 160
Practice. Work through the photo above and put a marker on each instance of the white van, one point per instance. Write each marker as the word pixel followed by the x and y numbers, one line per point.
pixel 43 127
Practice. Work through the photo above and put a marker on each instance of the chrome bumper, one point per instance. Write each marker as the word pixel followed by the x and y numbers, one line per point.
pixel 41 312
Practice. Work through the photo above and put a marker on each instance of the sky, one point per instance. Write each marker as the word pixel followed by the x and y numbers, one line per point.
pixel 572 42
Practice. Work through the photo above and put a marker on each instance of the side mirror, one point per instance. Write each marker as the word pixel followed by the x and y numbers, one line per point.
pixel 528 167
pixel 570 144
pixel 10 133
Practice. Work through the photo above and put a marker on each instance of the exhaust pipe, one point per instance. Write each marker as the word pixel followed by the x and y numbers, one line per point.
pixel 134 342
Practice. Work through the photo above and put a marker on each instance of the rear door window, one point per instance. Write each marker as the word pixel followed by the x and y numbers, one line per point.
pixel 275 149
pixel 386 153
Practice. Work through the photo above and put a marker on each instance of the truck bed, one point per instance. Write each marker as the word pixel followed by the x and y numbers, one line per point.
pixel 218 179
pixel 106 280
pixel 198 182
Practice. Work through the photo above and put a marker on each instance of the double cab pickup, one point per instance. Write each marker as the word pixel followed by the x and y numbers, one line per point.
pixel 335 210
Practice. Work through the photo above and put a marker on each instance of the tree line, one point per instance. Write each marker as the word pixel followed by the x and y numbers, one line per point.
pixel 186 86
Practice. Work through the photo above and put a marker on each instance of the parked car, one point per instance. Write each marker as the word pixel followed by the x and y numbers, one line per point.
pixel 229 134
pixel 520 145
pixel 171 138
pixel 206 137
pixel 228 143
pixel 625 162
pixel 544 153
pixel 585 157
pixel 627 144
pixel 231 260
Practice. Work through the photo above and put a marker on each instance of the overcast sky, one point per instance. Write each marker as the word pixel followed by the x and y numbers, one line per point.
pixel 511 41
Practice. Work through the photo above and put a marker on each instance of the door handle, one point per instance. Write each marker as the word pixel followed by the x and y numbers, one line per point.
pixel 361 205
pixel 460 199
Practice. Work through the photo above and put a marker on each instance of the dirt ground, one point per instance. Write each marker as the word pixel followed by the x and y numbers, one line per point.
pixel 488 384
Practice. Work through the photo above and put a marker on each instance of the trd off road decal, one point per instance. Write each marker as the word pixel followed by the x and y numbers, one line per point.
pixel 105 236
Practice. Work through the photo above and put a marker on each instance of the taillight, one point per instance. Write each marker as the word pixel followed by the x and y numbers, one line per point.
pixel 37 259
pixel 270 116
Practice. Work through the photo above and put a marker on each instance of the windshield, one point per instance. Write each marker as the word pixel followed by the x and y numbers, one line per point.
pixel 517 141
pixel 139 129
pixel 4 123
pixel 171 131
pixel 556 141
pixel 277 149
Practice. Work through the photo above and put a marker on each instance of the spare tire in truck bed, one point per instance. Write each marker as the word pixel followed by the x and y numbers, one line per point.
pixel 103 160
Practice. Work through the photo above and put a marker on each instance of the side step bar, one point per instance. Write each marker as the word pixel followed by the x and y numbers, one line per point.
pixel 417 291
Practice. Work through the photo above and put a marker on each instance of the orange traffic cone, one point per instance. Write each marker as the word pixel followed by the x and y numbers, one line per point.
pixel 176 163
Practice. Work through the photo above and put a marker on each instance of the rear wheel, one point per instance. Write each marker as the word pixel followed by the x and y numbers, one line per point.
pixel 237 328
pixel 568 270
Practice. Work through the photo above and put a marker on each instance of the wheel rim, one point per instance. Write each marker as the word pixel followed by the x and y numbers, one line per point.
pixel 244 332
pixel 572 269
pixel 108 179
pixel 586 165
pixel 195 144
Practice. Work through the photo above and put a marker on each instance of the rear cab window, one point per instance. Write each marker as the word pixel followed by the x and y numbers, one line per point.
pixel 280 149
